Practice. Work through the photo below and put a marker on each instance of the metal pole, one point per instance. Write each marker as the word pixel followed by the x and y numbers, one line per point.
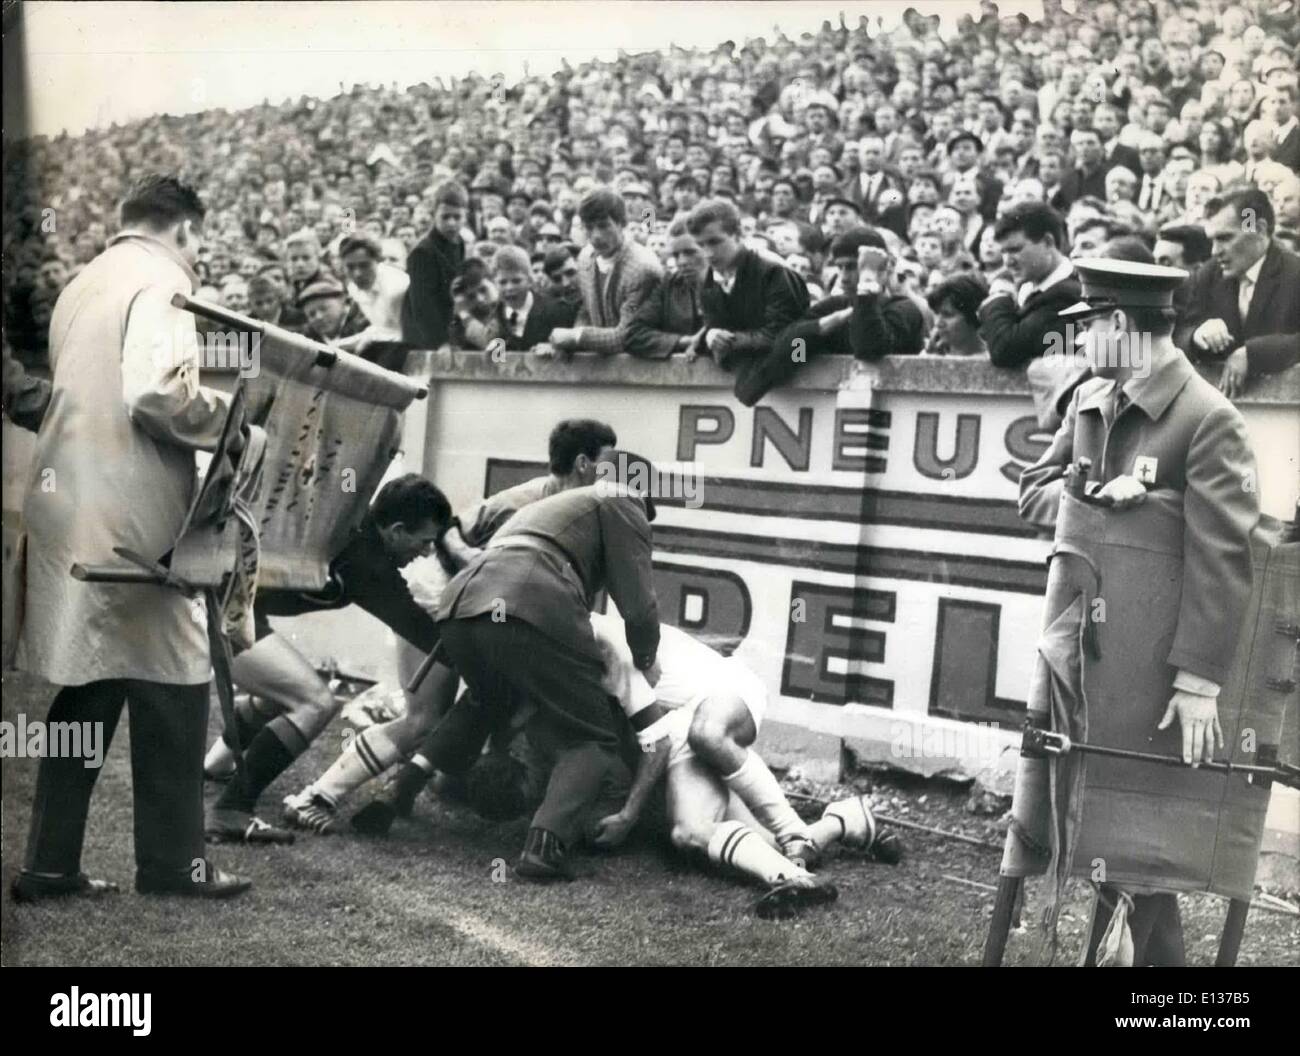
pixel 1234 926
pixel 995 944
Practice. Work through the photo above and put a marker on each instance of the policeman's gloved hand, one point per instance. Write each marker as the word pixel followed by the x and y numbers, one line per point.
pixel 1122 493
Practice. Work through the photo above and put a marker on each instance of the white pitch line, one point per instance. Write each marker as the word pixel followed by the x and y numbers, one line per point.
pixel 479 930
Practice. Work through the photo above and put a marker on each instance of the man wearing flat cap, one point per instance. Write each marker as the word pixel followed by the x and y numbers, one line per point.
pixel 1152 426
pixel 331 314
pixel 964 152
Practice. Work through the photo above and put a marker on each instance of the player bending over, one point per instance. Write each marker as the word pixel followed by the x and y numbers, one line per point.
pixel 406 518
pixel 575 447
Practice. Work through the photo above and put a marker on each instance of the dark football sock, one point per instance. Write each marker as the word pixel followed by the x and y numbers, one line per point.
pixel 266 759
pixel 407 786
pixel 249 720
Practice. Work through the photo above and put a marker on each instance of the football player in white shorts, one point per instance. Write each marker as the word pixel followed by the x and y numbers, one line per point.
pixel 723 801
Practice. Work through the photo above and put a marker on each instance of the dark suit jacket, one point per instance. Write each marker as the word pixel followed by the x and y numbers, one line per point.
pixel 1126 156
pixel 885 326
pixel 1288 151
pixel 548 562
pixel 766 298
pixel 879 326
pixel 1075 185
pixel 671 312
pixel 1198 441
pixel 1271 330
pixel 1015 335
pixel 426 309
pixel 893 217
pixel 548 313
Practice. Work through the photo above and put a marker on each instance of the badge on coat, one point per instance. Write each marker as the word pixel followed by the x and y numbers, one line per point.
pixel 1144 469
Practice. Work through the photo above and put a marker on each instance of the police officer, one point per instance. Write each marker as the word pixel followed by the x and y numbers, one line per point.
pixel 1147 420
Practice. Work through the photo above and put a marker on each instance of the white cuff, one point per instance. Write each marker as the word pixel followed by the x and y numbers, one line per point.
pixel 654 733
pixel 1190 683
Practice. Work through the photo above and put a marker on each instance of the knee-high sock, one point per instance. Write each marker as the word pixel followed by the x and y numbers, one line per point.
pixel 369 755
pixel 758 789
pixel 273 750
pixel 826 830
pixel 249 719
pixel 735 845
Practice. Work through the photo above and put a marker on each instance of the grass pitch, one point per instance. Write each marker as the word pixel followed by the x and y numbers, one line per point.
pixel 439 891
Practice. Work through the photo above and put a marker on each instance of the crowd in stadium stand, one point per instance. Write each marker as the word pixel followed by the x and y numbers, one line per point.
pixel 852 191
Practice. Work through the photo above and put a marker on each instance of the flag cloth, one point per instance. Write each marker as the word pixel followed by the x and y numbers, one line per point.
pixel 330 433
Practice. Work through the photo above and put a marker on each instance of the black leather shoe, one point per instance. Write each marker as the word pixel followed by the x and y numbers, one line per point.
pixel 29 887
pixel 543 857
pixel 216 883
pixel 234 826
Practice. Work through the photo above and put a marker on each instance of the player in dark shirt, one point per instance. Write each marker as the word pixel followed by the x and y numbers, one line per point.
pixel 407 518
pixel 575 447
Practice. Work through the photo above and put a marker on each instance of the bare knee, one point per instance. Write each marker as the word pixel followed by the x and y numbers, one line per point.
pixel 709 736
pixel 312 709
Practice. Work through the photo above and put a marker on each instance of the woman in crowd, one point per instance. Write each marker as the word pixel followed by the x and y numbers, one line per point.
pixel 955 302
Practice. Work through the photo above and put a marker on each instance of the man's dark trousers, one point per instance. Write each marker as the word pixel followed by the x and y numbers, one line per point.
pixel 508 665
pixel 1154 922
pixel 169 726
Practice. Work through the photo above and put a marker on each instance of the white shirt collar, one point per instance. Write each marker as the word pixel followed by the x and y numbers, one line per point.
pixel 1282 131
pixel 1252 272
pixel 521 314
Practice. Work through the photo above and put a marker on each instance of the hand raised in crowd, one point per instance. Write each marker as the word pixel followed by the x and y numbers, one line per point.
pixel 1001 286
pixel 1198 717
pixel 1232 382
pixel 889 199
pixel 1213 336
pixel 871 263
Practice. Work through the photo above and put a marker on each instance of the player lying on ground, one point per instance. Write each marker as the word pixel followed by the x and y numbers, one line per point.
pixel 290 704
pixel 575 447
pixel 697 724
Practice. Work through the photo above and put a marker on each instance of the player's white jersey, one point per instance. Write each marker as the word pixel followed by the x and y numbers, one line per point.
pixel 691 672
